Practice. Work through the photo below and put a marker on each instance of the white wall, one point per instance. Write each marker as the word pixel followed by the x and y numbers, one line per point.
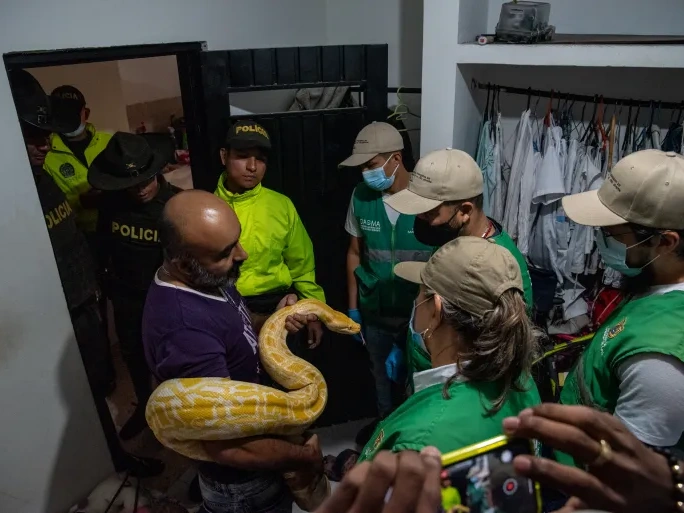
pixel 52 451
pixel 663 17
pixel 100 84
pixel 146 80
pixel 399 23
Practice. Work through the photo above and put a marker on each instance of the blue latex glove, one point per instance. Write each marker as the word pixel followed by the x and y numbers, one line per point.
pixel 355 316
pixel 395 365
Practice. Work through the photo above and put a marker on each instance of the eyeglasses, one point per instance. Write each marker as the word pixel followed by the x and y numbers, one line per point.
pixel 609 235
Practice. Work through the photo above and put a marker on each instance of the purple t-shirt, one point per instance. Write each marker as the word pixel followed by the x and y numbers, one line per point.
pixel 188 334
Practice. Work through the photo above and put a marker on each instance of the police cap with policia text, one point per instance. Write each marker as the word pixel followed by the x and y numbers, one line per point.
pixel 645 188
pixel 246 134
pixel 442 175
pixel 126 161
pixel 469 272
pixel 70 97
pixel 36 109
pixel 373 140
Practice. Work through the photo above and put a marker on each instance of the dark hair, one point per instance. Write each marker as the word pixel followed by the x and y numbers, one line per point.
pixel 644 233
pixel 478 201
pixel 500 346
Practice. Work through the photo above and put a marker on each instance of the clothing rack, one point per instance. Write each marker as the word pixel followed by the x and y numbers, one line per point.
pixel 577 97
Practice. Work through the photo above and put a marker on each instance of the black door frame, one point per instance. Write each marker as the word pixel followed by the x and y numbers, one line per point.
pixel 188 58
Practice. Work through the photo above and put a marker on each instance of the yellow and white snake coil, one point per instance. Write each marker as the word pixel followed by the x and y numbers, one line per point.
pixel 184 412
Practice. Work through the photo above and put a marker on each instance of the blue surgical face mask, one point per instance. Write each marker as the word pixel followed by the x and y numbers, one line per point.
pixel 614 254
pixel 417 338
pixel 376 178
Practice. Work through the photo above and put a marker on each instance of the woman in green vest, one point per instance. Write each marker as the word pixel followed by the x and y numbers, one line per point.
pixel 634 365
pixel 471 318
pixel 446 196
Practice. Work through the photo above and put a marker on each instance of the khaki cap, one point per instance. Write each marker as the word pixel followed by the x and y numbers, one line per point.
pixel 372 140
pixel 469 272
pixel 644 188
pixel 443 175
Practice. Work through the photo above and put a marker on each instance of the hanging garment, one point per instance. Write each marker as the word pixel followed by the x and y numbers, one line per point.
pixel 656 137
pixel 497 192
pixel 570 165
pixel 673 139
pixel 612 278
pixel 588 177
pixel 574 304
pixel 521 152
pixel 594 183
pixel 567 162
pixel 485 159
pixel 549 189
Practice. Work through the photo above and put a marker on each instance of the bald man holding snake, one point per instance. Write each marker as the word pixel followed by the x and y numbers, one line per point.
pixel 196 325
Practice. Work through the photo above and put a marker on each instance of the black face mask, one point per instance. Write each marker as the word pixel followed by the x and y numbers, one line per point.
pixel 437 235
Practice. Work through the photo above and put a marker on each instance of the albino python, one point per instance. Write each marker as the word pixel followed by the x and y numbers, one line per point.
pixel 184 412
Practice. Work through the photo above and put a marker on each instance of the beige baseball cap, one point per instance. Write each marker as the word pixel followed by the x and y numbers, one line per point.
pixel 372 140
pixel 469 272
pixel 645 188
pixel 443 175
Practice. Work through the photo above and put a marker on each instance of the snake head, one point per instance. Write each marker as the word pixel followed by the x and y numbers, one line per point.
pixel 340 323
pixel 347 328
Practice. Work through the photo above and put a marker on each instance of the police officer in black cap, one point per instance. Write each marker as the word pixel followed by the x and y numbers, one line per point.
pixel 128 172
pixel 39 116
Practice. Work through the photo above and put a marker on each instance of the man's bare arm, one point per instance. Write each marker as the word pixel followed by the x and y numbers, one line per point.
pixel 271 454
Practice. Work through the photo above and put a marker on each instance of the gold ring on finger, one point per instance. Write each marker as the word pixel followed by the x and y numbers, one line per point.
pixel 605 454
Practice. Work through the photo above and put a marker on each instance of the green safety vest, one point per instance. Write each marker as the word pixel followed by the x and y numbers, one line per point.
pixel 381 294
pixel 418 360
pixel 428 419
pixel 651 324
pixel 71 175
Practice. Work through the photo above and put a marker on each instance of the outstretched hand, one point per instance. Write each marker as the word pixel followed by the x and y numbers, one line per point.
pixel 296 322
pixel 626 478
pixel 412 478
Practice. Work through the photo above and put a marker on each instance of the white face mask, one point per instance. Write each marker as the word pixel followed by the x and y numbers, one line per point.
pixel 77 132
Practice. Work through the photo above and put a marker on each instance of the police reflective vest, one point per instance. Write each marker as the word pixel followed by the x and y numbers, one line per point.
pixel 128 232
pixel 72 254
pixel 383 296
pixel 71 175
pixel 650 324
pixel 280 252
pixel 418 360
pixel 427 418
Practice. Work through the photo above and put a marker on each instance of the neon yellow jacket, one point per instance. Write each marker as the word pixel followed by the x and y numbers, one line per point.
pixel 71 175
pixel 280 252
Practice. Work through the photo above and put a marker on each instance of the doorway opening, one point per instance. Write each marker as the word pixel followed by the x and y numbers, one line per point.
pixel 144 90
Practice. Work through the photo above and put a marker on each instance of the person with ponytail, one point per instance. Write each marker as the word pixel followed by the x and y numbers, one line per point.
pixel 471 318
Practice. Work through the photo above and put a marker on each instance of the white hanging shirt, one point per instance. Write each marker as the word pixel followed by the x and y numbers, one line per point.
pixel 521 152
pixel 498 195
pixel 485 160
pixel 550 188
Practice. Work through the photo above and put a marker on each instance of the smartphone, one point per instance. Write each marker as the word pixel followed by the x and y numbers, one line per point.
pixel 480 479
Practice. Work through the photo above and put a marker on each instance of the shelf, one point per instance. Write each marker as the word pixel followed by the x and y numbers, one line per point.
pixel 621 56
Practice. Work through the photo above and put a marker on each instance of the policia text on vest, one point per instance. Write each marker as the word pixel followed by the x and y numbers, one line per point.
pixel 58 214
pixel 135 232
